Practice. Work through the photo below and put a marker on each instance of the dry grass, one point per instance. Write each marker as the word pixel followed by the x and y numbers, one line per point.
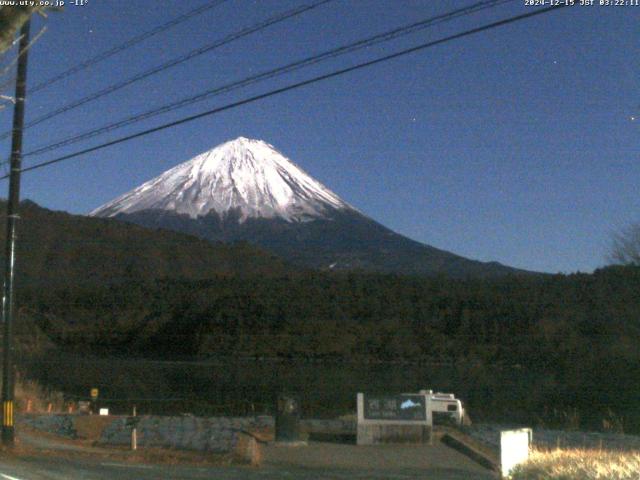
pixel 579 465
pixel 31 393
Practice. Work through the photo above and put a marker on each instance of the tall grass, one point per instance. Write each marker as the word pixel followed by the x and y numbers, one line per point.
pixel 30 395
pixel 579 465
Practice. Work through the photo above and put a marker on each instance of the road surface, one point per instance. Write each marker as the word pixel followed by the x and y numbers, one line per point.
pixel 317 461
pixel 51 469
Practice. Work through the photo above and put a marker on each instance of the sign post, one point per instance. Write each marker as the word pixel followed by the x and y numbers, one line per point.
pixel 94 397
pixel 133 421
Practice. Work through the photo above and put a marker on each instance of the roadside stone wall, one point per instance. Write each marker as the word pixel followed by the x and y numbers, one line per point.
pixel 213 434
pixel 61 425
pixel 336 426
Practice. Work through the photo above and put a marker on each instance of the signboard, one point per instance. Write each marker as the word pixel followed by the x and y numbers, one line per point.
pixel 402 409
pixel 403 418
pixel 94 393
pixel 396 407
pixel 514 449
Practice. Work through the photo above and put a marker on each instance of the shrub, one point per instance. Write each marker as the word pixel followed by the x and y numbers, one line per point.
pixel 40 397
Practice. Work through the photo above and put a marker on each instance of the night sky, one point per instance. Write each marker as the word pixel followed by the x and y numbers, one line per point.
pixel 520 144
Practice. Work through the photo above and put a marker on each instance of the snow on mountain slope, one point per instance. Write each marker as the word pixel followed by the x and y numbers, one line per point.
pixel 243 175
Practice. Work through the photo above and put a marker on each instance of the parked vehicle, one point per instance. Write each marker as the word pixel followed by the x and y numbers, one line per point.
pixel 444 407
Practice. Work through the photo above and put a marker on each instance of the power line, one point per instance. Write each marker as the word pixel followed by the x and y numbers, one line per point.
pixel 174 62
pixel 125 45
pixel 312 60
pixel 11 80
pixel 14 61
pixel 294 86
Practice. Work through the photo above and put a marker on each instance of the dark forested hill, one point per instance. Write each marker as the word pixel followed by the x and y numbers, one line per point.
pixel 343 241
pixel 56 248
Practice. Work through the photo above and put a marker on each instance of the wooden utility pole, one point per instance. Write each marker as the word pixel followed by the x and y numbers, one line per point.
pixel 13 204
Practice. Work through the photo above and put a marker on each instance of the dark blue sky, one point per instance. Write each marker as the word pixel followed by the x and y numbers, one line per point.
pixel 517 145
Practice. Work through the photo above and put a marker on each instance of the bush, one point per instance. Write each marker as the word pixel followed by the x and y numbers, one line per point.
pixel 40 397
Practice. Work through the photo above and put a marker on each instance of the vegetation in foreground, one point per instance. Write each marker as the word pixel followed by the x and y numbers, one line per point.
pixel 569 343
pixel 30 396
pixel 579 465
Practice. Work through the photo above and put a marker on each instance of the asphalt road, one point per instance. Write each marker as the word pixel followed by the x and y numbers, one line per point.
pixel 52 469
pixel 317 461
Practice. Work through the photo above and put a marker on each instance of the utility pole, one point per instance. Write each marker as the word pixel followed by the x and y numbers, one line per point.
pixel 13 204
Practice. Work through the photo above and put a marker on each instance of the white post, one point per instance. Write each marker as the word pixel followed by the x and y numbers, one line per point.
pixel 134 433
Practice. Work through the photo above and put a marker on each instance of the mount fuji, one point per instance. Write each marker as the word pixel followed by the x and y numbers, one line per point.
pixel 245 190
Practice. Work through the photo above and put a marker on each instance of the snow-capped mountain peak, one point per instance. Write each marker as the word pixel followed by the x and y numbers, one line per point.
pixel 247 176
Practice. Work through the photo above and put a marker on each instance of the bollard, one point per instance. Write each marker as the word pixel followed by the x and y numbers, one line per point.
pixel 49 408
pixel 134 432
pixel 29 405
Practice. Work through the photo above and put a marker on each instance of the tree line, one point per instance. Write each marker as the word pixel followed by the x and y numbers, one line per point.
pixel 576 334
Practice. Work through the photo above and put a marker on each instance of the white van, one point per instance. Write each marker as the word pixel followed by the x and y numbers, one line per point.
pixel 443 407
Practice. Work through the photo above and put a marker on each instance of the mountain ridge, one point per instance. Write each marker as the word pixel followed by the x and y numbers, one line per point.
pixel 246 190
